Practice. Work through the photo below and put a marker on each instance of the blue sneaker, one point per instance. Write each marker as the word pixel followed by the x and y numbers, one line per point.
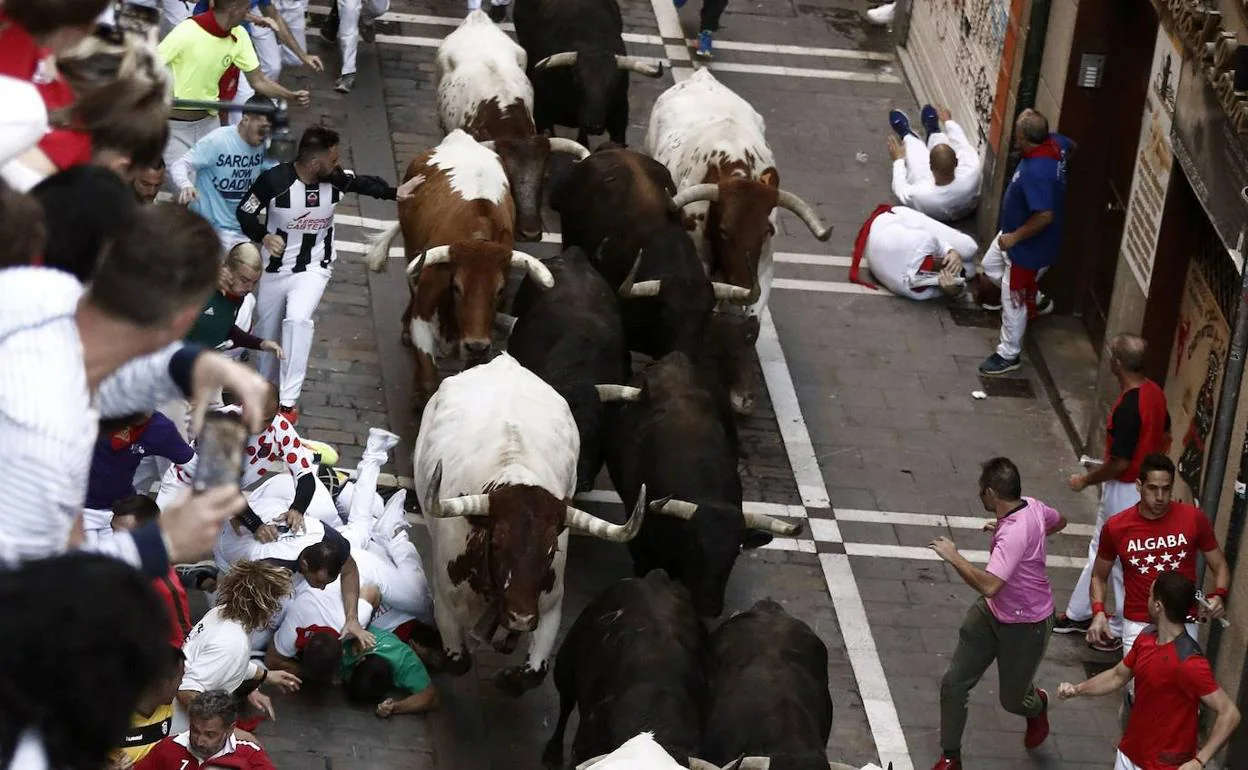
pixel 704 45
pixel 900 123
pixel 679 4
pixel 929 119
pixel 995 365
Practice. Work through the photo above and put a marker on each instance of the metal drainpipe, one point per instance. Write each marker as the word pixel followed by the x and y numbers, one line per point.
pixel 1029 78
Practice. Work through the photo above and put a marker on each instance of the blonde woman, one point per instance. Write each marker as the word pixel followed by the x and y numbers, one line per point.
pixel 218 649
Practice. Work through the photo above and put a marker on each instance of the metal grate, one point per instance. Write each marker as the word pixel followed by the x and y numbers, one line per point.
pixel 1007 387
pixel 981 319
pixel 1218 269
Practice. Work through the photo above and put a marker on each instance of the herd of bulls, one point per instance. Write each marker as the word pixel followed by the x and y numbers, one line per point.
pixel 668 255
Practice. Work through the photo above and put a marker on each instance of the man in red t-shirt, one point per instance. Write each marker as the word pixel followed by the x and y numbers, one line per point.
pixel 130 513
pixel 1153 537
pixel 1172 678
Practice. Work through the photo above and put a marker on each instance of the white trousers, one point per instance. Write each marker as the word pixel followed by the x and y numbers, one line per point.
pixel 1122 763
pixel 173 13
pixel 996 266
pixel 294 13
pixel 475 5
pixel 285 303
pixel 269 52
pixel 1116 496
pixel 349 12
pixel 183 134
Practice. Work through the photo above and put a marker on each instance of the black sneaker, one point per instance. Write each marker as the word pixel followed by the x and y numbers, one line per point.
pixel 1113 645
pixel 194 576
pixel 368 31
pixel 497 13
pixel 1065 625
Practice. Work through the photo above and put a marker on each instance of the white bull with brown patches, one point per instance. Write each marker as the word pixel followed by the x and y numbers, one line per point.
pixel 483 90
pixel 714 145
pixel 495 471
pixel 458 234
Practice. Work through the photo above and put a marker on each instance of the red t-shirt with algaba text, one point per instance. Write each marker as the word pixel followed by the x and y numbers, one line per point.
pixel 1149 547
pixel 1170 680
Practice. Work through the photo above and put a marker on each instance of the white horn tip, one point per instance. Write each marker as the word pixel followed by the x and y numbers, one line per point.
pixel 824 234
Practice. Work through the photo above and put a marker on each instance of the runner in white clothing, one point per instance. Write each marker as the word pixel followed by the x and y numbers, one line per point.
pixel 913 255
pixel 940 179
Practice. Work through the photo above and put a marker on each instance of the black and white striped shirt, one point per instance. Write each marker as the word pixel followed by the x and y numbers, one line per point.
pixel 302 215
pixel 49 420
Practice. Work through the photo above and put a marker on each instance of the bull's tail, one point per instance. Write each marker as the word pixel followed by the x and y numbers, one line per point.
pixel 379 248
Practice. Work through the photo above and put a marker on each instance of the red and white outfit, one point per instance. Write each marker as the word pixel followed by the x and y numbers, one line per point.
pixel 1149 547
pixel 905 250
pixel 174 753
pixel 1170 679
pixel 1138 426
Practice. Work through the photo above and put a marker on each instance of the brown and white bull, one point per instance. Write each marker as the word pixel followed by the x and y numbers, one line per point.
pixel 483 89
pixel 495 471
pixel 714 145
pixel 458 234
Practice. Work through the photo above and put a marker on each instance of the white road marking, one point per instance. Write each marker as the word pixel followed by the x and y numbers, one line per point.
pixel 834 287
pixel 368 222
pixel 864 658
pixel 767 509
pixel 938 520
pixel 922 553
pixel 822 260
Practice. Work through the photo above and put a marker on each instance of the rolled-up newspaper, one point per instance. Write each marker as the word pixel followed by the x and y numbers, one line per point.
pixel 1200 597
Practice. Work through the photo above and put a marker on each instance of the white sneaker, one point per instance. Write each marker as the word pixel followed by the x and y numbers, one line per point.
pixel 379 444
pixel 882 15
pixel 392 519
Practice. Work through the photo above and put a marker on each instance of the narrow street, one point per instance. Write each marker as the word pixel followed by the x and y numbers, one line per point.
pixel 867 430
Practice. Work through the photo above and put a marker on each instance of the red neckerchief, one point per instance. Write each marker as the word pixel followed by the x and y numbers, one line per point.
pixel 302 635
pixel 1049 148
pixel 227 87
pixel 123 439
pixel 860 245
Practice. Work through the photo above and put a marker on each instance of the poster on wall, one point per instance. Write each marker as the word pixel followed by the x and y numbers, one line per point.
pixel 1192 388
pixel 1154 158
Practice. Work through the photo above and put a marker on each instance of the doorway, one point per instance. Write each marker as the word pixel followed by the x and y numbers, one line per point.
pixel 1105 124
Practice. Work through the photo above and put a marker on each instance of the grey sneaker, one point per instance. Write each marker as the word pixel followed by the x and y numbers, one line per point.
pixel 345 84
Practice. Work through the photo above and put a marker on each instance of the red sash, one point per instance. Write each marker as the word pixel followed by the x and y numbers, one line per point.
pixel 1023 288
pixel 123 439
pixel 227 87
pixel 1049 148
pixel 860 245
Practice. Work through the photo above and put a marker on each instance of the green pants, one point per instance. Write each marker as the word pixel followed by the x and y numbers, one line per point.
pixel 1017 648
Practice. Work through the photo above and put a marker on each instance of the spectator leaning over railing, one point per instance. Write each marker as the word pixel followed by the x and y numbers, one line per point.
pixel 70 356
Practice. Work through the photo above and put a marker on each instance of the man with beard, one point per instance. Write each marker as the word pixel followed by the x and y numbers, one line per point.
pixel 298 240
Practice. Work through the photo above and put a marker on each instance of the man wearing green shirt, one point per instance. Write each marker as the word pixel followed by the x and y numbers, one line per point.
pixel 389 666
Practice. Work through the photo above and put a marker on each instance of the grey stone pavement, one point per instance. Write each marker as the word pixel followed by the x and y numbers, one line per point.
pixel 882 390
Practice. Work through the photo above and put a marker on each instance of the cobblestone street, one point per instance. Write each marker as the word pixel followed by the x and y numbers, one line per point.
pixel 867 428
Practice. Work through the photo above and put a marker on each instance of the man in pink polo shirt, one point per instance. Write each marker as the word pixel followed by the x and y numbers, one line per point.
pixel 1011 621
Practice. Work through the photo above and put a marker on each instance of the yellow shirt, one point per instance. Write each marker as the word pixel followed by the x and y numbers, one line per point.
pixel 198 59
pixel 146 732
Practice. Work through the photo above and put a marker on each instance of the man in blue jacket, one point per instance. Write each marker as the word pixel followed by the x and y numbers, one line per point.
pixel 1032 216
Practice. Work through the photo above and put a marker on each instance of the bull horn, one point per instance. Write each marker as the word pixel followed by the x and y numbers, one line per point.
pixel 504 323
pixel 806 213
pixel 633 64
pixel 565 59
pixel 537 271
pixel 696 194
pixel 754 763
pixel 644 289
pixel 609 393
pixel 605 530
pixel 700 764
pixel 438 255
pixel 681 509
pixel 727 291
pixel 487 144
pixel 773 525
pixel 559 144
pixel 465 505
pixel 591 762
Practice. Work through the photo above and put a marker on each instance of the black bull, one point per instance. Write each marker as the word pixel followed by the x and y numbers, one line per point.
pixel 674 436
pixel 570 335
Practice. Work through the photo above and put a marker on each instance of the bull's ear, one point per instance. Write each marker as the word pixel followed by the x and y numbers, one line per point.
pixel 753 538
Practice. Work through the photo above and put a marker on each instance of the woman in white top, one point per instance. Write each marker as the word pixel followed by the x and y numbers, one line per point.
pixel 218 649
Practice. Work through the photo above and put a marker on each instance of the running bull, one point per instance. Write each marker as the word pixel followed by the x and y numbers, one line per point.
pixel 670 436
pixel 483 89
pixel 632 662
pixel 495 471
pixel 458 236
pixel 578 65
